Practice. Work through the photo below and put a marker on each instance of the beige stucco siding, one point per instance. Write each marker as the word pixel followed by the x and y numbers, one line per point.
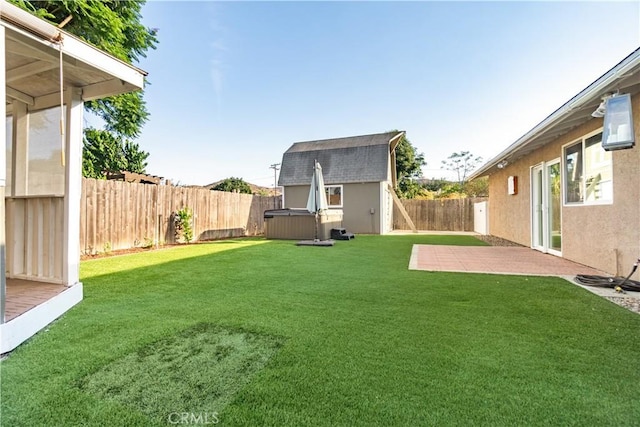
pixel 358 201
pixel 509 215
pixel 606 236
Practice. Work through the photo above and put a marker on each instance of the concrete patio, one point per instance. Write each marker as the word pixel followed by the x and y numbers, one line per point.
pixel 494 259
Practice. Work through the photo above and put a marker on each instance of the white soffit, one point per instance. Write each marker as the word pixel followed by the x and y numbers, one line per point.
pixel 32 62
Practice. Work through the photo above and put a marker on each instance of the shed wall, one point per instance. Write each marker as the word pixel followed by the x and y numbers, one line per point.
pixel 358 202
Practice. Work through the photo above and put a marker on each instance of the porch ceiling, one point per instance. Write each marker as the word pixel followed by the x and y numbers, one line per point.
pixel 33 63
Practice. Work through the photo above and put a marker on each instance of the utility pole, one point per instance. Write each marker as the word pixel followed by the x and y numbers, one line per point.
pixel 275 180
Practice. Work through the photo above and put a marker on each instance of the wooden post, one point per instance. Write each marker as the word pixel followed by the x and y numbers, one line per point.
pixel 73 188
pixel 20 149
pixel 3 172
pixel 401 208
pixel 3 278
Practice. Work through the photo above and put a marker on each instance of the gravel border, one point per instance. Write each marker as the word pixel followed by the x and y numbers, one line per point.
pixel 630 303
pixel 496 241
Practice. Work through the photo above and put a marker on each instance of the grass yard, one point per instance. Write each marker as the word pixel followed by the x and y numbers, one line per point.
pixel 250 332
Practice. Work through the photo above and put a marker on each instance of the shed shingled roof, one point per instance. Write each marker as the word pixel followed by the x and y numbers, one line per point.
pixel 363 158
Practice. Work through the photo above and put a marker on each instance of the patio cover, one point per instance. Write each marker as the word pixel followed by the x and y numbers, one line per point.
pixel 33 56
pixel 33 63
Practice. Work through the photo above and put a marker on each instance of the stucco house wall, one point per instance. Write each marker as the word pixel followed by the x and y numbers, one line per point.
pixel 605 236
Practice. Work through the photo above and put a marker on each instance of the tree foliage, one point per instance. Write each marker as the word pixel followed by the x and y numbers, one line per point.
pixel 477 188
pixel 409 164
pixel 233 185
pixel 111 26
pixel 445 189
pixel 114 27
pixel 436 184
pixel 462 163
pixel 103 152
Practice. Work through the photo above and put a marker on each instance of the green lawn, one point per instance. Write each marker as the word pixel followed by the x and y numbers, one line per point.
pixel 250 332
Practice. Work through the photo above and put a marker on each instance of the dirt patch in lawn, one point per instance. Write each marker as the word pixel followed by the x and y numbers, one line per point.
pixel 196 371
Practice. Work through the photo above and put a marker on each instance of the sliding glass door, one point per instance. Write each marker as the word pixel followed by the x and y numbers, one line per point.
pixel 537 209
pixel 546 207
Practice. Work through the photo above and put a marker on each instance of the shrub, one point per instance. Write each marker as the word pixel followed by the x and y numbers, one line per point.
pixel 182 222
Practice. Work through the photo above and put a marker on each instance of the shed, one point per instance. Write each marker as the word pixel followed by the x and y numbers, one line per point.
pixel 47 76
pixel 359 175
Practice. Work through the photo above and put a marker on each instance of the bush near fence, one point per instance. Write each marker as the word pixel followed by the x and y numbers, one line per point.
pixel 437 215
pixel 122 215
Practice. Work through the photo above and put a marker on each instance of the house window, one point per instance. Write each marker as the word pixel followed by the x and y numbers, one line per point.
pixel 334 195
pixel 588 172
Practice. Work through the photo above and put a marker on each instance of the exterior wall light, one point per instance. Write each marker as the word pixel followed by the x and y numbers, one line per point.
pixel 512 185
pixel 618 131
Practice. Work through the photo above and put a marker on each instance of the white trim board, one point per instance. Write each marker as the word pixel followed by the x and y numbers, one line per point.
pixel 18 330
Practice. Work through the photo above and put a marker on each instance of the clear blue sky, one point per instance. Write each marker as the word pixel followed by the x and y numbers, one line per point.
pixel 234 84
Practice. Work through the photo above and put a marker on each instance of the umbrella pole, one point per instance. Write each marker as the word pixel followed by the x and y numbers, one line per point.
pixel 313 201
pixel 315 192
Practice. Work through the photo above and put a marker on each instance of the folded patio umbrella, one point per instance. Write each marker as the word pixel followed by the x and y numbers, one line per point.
pixel 317 200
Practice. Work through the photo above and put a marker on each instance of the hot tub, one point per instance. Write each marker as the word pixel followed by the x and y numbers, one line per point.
pixel 300 224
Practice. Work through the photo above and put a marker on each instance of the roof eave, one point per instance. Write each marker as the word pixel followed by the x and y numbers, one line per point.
pixel 124 77
pixel 592 92
pixel 393 144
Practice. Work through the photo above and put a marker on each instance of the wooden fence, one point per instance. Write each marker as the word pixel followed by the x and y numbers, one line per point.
pixel 438 215
pixel 121 215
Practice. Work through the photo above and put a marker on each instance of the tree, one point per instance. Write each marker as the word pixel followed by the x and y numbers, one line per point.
pixel 436 184
pixel 103 152
pixel 478 187
pixel 463 163
pixel 408 167
pixel 233 185
pixel 115 27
